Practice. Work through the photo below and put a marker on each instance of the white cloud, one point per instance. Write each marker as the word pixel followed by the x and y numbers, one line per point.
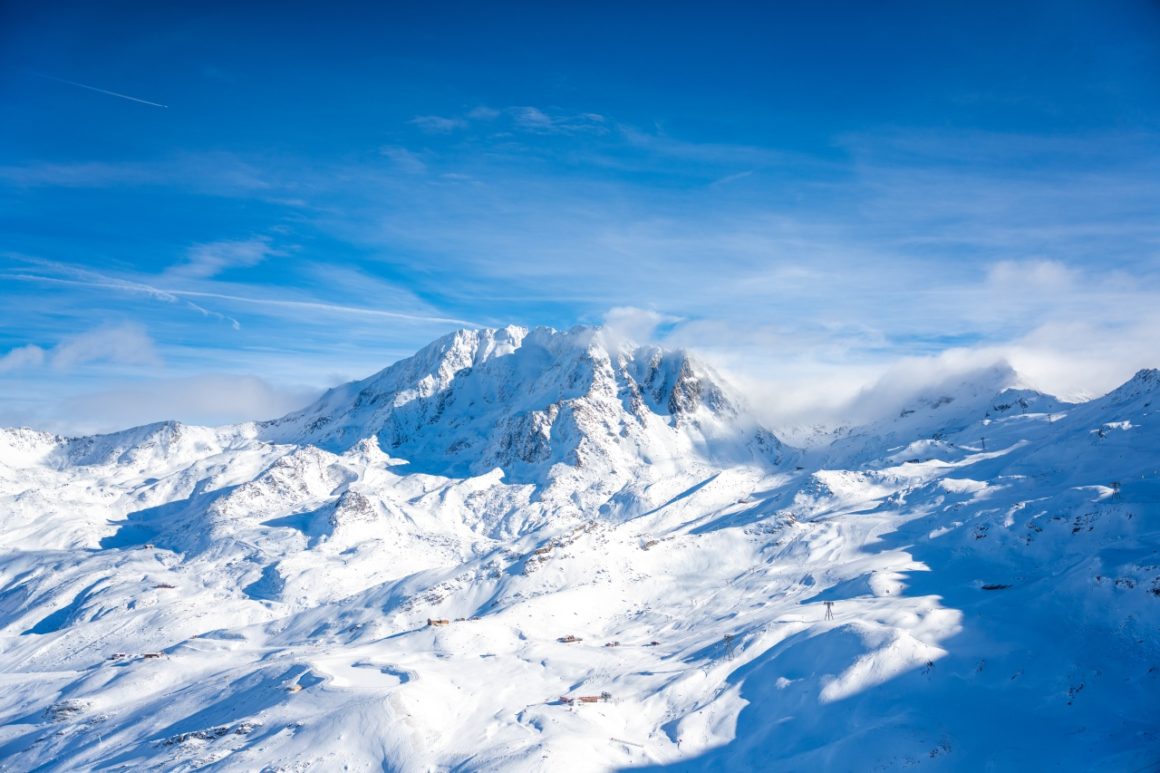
pixel 213 173
pixel 209 399
pixel 633 325
pixel 1074 333
pixel 1030 274
pixel 1080 358
pixel 262 301
pixel 208 260
pixel 790 384
pixel 732 178
pixel 483 113
pixel 30 356
pixel 126 344
pixel 527 118
pixel 267 304
pixel 437 124
pixel 404 160
pixel 531 118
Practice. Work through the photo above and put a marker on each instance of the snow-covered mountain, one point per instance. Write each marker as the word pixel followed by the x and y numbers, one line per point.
pixel 537 404
pixel 633 573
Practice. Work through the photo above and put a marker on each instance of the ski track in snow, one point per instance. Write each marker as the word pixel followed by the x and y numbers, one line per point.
pixel 258 597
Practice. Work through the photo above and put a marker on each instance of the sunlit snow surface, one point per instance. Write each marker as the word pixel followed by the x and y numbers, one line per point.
pixel 257 597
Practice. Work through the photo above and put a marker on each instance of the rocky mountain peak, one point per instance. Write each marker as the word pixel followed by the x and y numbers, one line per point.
pixel 522 399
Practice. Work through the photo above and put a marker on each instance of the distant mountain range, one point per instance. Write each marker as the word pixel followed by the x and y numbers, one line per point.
pixel 531 550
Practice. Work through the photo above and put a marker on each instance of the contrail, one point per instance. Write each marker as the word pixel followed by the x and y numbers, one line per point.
pixel 99 91
pixel 94 279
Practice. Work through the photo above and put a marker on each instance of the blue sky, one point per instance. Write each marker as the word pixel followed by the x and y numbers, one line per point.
pixel 812 196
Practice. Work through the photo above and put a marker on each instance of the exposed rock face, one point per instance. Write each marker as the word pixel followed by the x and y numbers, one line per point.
pixel 527 400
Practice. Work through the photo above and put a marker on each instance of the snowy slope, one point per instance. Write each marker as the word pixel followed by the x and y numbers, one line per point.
pixel 257 597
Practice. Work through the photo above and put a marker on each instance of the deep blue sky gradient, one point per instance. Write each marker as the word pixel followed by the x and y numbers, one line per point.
pixel 821 186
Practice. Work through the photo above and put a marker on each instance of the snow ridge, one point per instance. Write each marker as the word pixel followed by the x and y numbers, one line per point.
pixel 523 549
pixel 525 401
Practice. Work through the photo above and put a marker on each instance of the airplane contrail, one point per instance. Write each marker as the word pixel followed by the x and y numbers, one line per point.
pixel 99 91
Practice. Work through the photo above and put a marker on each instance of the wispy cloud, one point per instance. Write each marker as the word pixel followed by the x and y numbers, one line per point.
pixel 208 260
pixel 438 124
pixel 88 174
pixel 532 118
pixel 535 120
pixel 126 344
pixel 56 273
pixel 636 325
pixel 405 160
pixel 208 173
pixel 252 302
pixel 28 356
pixel 334 308
pixel 483 113
pixel 210 399
pixel 520 118
pixel 732 178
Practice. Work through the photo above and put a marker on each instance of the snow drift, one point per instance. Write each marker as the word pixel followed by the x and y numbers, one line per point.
pixel 519 549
